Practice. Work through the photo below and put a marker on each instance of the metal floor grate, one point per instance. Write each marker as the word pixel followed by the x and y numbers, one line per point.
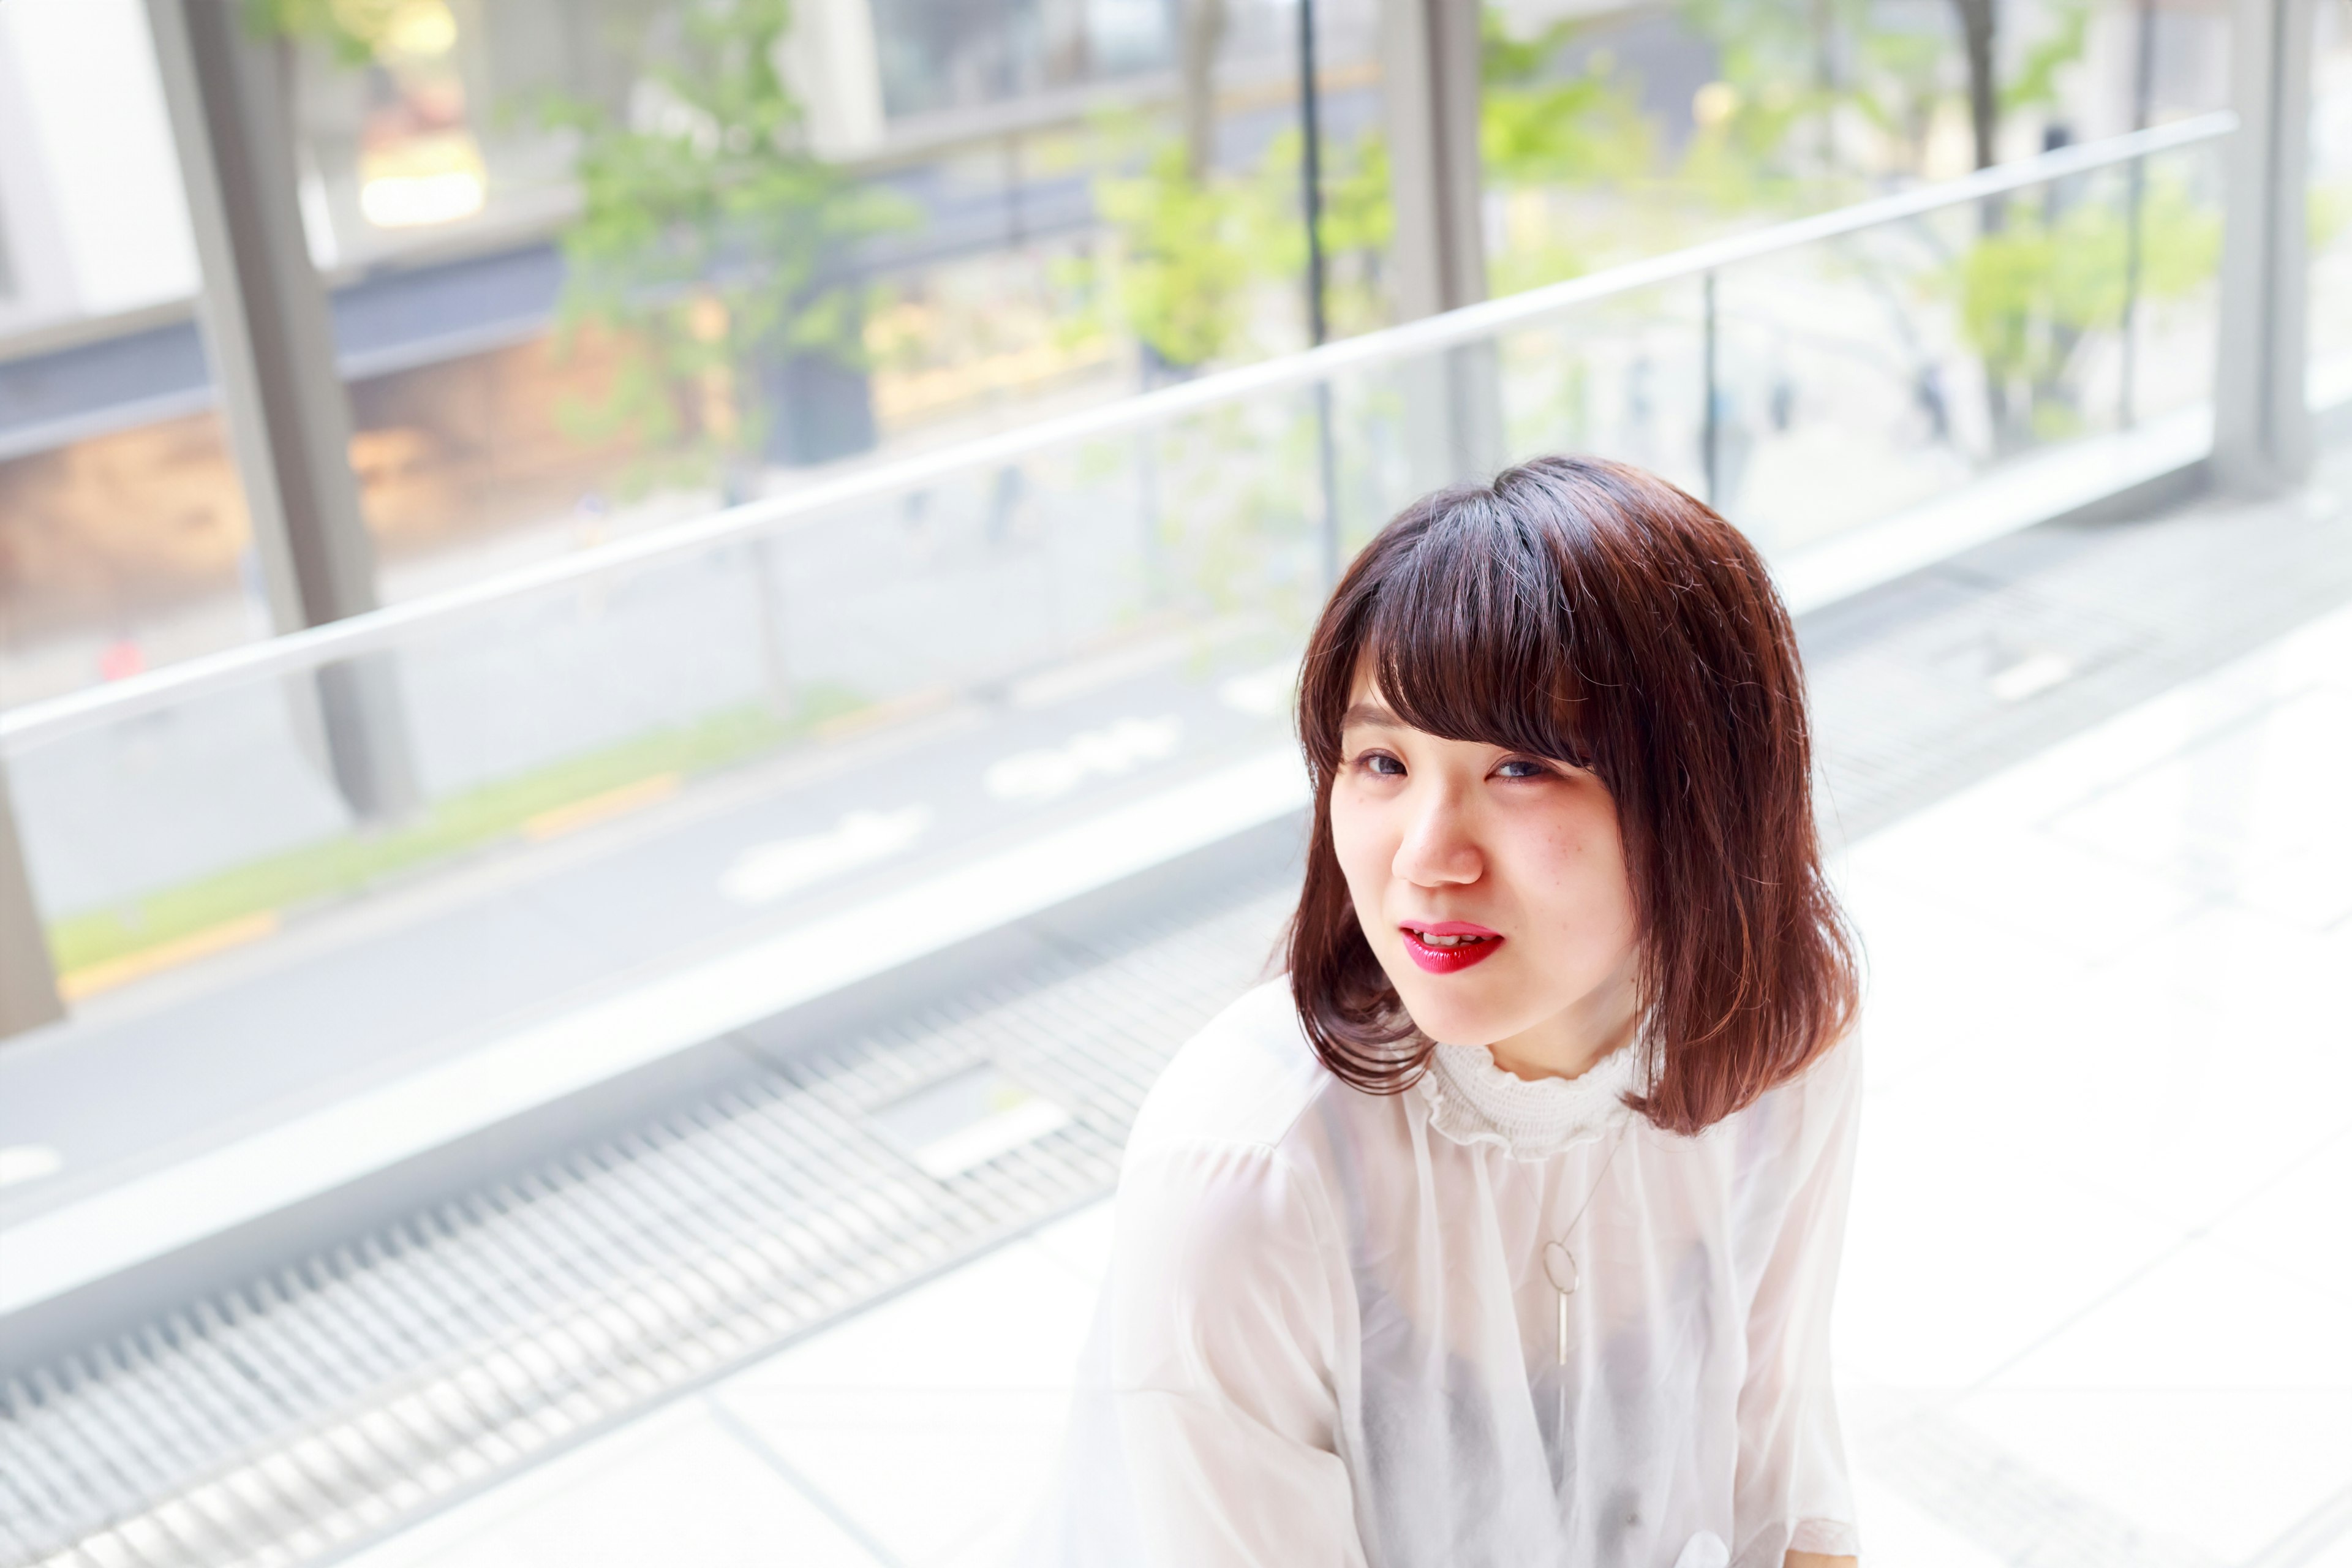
pixel 291 1420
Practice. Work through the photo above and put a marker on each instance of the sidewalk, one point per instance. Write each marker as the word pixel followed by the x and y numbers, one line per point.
pixel 2099 1272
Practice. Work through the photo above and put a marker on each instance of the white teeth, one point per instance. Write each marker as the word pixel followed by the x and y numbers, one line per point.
pixel 1446 940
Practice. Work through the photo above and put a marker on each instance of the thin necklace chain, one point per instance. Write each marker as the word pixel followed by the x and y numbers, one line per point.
pixel 1568 1264
pixel 1570 1228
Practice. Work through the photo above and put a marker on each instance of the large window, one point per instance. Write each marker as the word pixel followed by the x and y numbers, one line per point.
pixel 962 54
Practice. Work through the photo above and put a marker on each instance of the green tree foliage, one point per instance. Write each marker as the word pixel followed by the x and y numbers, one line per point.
pixel 2036 86
pixel 1185 266
pixel 705 225
pixel 1359 223
pixel 1794 67
pixel 1196 252
pixel 1904 76
pixel 1539 128
pixel 704 232
pixel 1766 124
pixel 2031 291
pixel 348 30
pixel 1199 254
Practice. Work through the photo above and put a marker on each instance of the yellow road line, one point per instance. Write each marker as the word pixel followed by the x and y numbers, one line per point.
pixel 559 820
pixel 93 978
pixel 881 715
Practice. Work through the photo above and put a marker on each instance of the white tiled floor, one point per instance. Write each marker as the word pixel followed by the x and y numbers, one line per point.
pixel 2103 1220
pixel 2104 1211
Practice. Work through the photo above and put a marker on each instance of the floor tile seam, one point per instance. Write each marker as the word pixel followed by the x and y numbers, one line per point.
pixel 2021 1493
pixel 2297 1545
pixel 2209 869
pixel 2276 1175
pixel 1091 1279
pixel 2260 710
pixel 2200 906
pixel 2086 961
pixel 2175 1232
pixel 2317 1149
pixel 2338 1293
pixel 2071 1319
pixel 2109 964
pixel 2191 1235
pixel 2097 851
pixel 801 1390
pixel 753 1441
pixel 531 1485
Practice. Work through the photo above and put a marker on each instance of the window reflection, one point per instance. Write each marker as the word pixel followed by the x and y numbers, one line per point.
pixel 418 161
pixel 965 54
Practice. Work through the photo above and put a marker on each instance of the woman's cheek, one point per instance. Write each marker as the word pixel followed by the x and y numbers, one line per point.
pixel 1355 845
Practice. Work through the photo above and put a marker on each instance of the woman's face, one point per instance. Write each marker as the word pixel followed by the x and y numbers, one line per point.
pixel 1491 885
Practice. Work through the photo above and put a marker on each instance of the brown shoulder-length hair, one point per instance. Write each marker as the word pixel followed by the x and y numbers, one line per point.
pixel 1589 611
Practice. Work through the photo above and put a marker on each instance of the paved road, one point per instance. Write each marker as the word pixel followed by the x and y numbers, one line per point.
pixel 387 981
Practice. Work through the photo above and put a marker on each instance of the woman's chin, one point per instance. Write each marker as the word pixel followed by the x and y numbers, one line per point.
pixel 1443 1010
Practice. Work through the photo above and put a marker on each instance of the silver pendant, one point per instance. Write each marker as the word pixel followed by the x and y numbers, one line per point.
pixel 1559 1268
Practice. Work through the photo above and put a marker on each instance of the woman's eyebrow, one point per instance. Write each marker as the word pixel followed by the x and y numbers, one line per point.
pixel 1370 713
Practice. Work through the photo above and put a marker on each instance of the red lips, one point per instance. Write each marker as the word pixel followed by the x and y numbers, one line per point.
pixel 1478 945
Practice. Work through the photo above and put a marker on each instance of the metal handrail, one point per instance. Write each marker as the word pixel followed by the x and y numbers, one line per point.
pixel 55 717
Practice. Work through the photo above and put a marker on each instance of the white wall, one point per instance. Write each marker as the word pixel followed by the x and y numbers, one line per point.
pixel 107 208
pixel 830 64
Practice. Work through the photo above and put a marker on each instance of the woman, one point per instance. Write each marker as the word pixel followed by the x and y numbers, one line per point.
pixel 1503 1229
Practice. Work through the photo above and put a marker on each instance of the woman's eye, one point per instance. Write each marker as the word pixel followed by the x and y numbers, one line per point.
pixel 1531 769
pixel 1381 764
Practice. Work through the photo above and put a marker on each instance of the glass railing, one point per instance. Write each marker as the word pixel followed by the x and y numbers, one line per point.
pixel 417 825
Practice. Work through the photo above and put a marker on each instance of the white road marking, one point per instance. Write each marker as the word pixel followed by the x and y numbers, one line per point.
pixel 2031 676
pixel 1119 748
pixel 21 1162
pixel 1262 693
pixel 768 871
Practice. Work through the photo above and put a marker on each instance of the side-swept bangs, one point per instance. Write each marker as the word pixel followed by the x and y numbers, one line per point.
pixel 1466 634
pixel 1589 611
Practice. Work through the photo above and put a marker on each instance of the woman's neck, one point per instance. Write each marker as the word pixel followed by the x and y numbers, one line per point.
pixel 1566 1044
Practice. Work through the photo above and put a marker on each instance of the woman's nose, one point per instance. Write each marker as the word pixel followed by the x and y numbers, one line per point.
pixel 1436 850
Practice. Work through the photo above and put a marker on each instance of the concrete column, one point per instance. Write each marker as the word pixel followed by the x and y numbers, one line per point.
pixel 1430 90
pixel 271 344
pixel 28 986
pixel 2261 421
pixel 834 65
pixel 1429 87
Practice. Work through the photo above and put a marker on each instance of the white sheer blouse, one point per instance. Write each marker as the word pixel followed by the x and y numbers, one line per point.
pixel 1328 1336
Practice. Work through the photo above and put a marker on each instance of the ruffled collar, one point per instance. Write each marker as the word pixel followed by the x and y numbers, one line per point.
pixel 1471 1101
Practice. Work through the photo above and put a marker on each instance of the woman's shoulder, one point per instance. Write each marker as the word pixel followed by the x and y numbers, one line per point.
pixel 1246 1078
pixel 1792 1125
pixel 1223 1194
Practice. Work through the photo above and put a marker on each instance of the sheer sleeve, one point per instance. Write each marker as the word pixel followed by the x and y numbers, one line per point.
pixel 1226 1320
pixel 1792 1491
